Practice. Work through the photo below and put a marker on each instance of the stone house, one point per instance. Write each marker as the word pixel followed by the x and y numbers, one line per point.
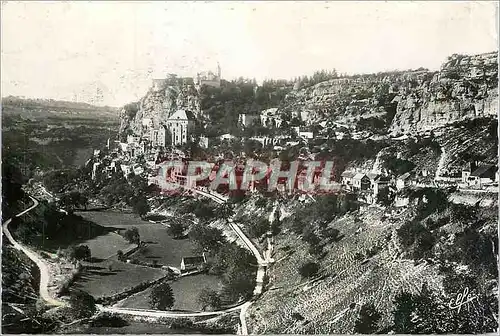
pixel 484 174
pixel 403 181
pixel 361 181
pixel 347 177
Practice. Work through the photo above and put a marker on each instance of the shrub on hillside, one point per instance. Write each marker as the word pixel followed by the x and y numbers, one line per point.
pixel 429 313
pixel 309 270
pixel 367 321
pixel 414 234
pixel 82 303
pixel 109 320
pixel 141 206
pixel 397 165
pixel 429 200
pixel 207 238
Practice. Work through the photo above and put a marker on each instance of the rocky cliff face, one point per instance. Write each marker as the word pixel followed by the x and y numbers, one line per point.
pixel 407 101
pixel 464 88
pixel 159 103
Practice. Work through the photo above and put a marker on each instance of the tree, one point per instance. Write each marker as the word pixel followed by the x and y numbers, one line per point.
pixel 132 235
pixel 309 270
pixel 258 227
pixel 80 252
pixel 226 210
pixel 176 228
pixel 206 237
pixel 141 206
pixel 209 298
pixel 72 200
pixel 82 303
pixel 120 255
pixel 368 318
pixel 404 306
pixel 238 284
pixel 162 297
pixel 385 197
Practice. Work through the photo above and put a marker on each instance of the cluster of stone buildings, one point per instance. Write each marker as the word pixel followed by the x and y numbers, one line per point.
pixel 204 78
pixel 368 184
pixel 176 130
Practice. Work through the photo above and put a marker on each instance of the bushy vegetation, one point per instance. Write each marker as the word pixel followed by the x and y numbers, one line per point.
pixel 309 270
pixel 429 312
pixel 202 209
pixel 162 297
pixel 312 220
pixel 209 299
pixel 73 200
pixel 80 252
pixel 82 303
pixel 418 237
pixel 368 319
pixel 131 109
pixel 237 267
pixel 177 228
pixel 398 166
pixel 132 235
pixel 426 236
pixel 207 238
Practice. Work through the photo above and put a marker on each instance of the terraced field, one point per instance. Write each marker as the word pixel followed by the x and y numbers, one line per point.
pixel 345 282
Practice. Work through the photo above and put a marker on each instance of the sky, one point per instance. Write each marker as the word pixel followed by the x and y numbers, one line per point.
pixel 108 52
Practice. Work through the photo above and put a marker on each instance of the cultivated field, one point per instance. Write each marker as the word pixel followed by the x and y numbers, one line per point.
pixel 186 291
pixel 106 246
pixel 160 245
pixel 99 280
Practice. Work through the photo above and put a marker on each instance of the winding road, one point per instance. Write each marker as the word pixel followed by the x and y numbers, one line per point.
pixel 262 263
pixel 45 275
pixel 44 271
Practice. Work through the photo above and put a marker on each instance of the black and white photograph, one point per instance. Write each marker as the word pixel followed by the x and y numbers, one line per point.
pixel 249 167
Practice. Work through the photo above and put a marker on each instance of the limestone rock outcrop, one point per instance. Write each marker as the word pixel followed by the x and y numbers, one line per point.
pixel 464 88
pixel 159 103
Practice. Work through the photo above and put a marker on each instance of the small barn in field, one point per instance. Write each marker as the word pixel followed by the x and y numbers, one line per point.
pixel 193 262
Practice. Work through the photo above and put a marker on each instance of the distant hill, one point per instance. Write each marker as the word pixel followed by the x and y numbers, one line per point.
pixel 35 107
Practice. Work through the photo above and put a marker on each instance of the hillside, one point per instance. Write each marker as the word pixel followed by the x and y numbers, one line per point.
pixel 407 101
pixel 30 107
pixel 397 102
pixel 40 134
pixel 371 256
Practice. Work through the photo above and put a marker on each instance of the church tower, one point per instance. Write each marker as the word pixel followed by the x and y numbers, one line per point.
pixel 218 71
